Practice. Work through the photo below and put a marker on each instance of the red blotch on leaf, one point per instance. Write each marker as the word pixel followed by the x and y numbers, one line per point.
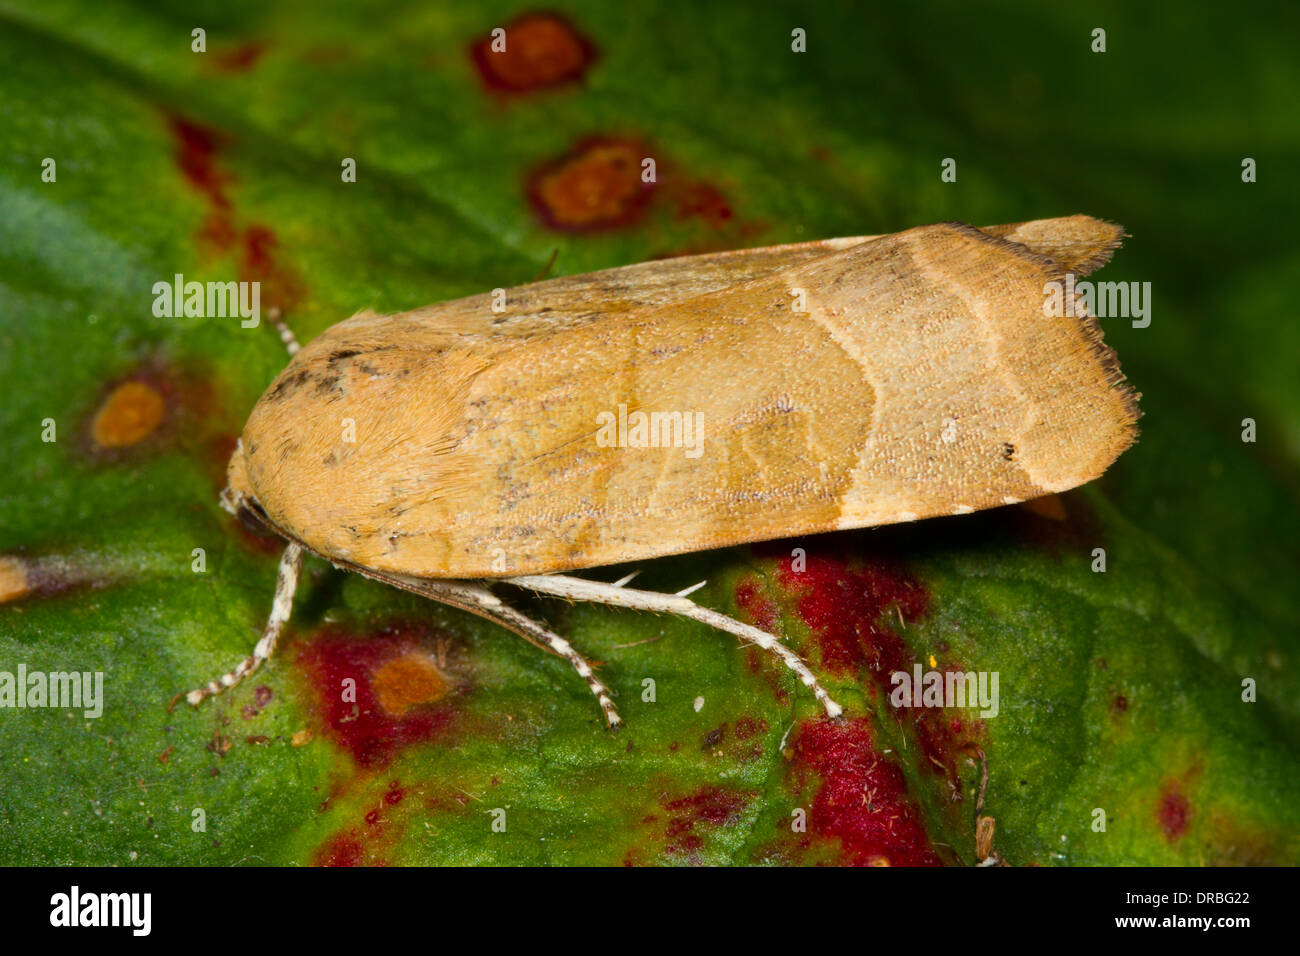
pixel 257 244
pixel 863 799
pixel 371 733
pixel 705 202
pixel 761 609
pixel 372 842
pixel 853 610
pixel 714 806
pixel 694 201
pixel 217 233
pixel 1174 811
pixel 763 613
pixel 238 59
pixel 196 154
pixel 342 850
pixel 542 50
pixel 280 285
pixel 848 611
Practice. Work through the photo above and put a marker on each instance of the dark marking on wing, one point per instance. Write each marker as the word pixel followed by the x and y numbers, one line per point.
pixel 290 383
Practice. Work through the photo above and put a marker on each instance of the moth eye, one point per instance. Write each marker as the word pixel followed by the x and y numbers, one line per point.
pixel 252 516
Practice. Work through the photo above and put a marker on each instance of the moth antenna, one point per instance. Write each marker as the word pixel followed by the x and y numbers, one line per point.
pixel 625 579
pixel 580 589
pixel 692 589
pixel 286 334
pixel 285 584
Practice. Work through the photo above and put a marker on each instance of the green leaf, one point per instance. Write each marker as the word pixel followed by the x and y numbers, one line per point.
pixel 1118 691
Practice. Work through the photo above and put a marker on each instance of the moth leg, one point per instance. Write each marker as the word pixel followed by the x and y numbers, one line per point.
pixel 580 589
pixel 477 599
pixel 484 603
pixel 286 583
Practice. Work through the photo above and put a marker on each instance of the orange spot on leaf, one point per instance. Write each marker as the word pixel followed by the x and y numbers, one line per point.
pixel 371 728
pixel 542 50
pixel 596 186
pixel 406 681
pixel 13 578
pixel 131 413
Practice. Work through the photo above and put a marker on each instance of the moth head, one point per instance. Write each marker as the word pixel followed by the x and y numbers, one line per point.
pixel 237 497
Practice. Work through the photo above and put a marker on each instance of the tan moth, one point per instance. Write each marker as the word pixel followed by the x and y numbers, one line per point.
pixel 827 385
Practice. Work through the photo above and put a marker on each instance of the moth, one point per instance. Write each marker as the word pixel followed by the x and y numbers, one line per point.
pixel 827 385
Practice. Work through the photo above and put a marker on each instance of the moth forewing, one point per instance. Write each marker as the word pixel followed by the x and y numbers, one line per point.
pixel 834 384
pixel 476 436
